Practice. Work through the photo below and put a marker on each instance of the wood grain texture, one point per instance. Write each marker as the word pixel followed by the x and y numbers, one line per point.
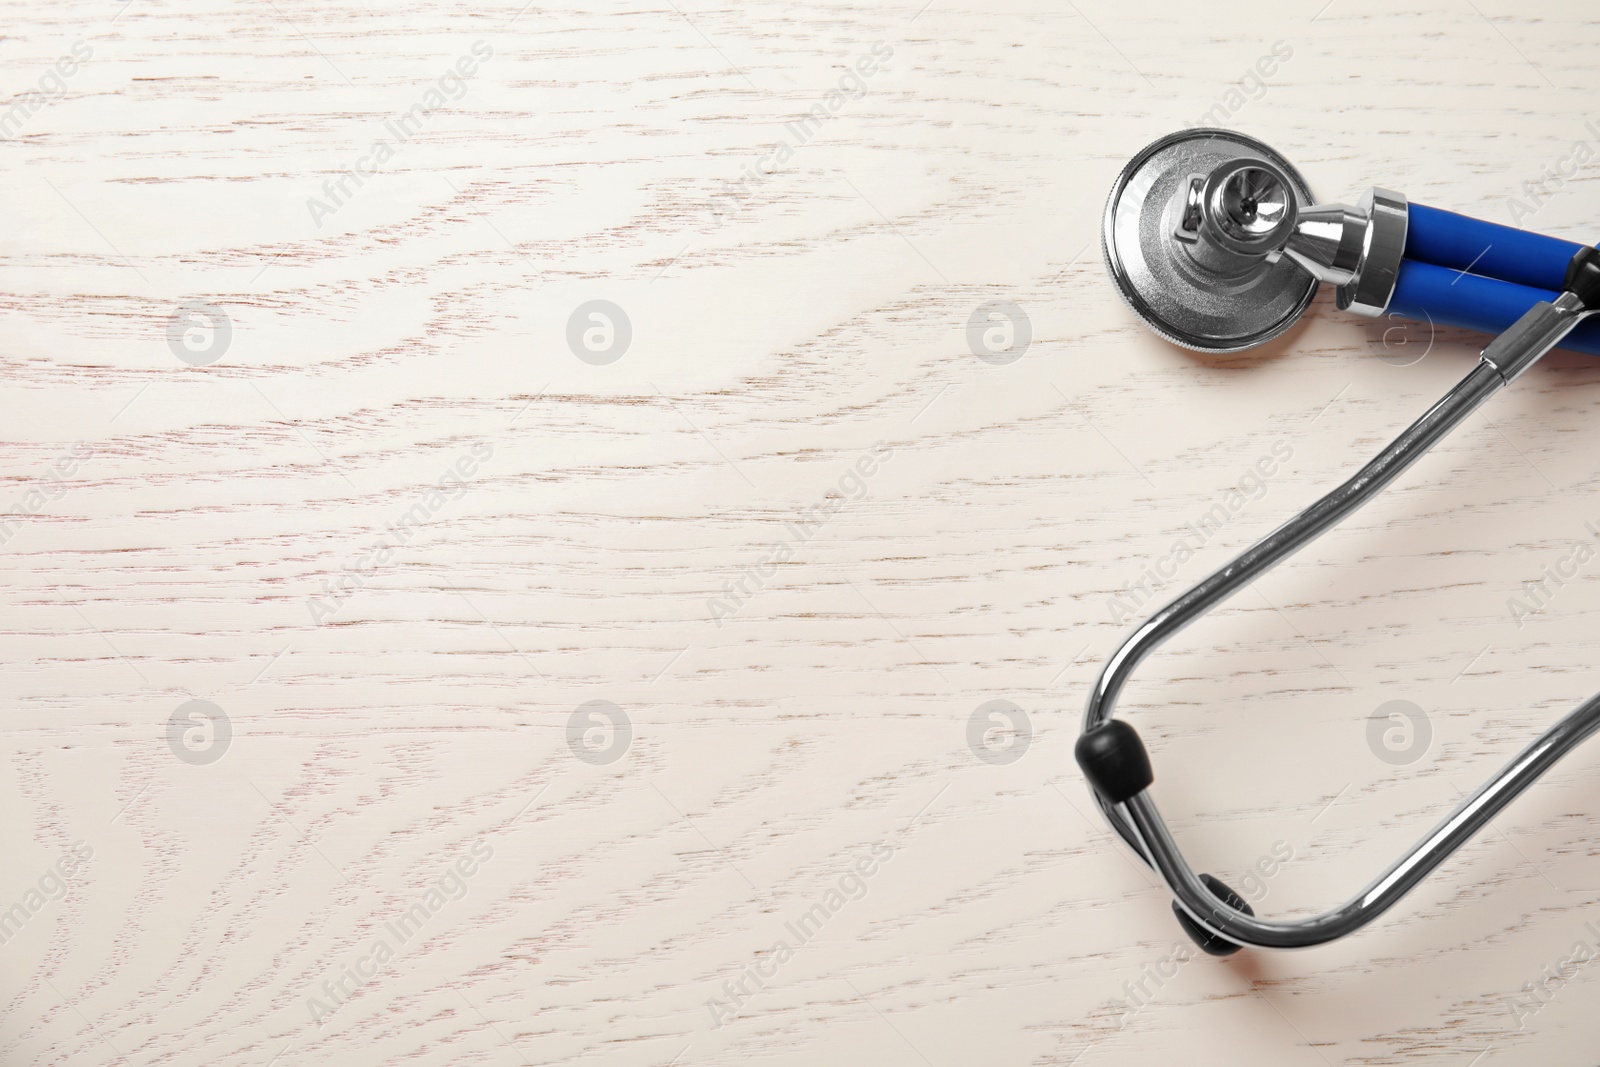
pixel 400 535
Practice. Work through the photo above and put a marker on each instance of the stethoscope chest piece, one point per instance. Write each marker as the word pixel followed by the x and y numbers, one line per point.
pixel 1197 292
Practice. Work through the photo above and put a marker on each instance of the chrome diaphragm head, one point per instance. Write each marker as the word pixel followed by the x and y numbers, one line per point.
pixel 1215 242
pixel 1157 239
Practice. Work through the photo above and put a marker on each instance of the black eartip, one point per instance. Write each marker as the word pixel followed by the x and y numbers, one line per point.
pixel 1583 277
pixel 1114 760
pixel 1210 943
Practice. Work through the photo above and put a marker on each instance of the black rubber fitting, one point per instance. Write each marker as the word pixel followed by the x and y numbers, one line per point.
pixel 1114 760
pixel 1210 943
pixel 1583 277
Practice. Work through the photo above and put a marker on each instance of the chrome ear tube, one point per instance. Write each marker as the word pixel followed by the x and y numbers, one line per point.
pixel 1215 242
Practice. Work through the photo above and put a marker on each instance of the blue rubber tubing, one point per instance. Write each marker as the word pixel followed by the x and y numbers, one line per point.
pixel 1487 249
pixel 1427 292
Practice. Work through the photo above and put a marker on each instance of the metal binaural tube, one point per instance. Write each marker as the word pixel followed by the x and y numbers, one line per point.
pixel 1132 812
pixel 1466 397
pixel 1384 891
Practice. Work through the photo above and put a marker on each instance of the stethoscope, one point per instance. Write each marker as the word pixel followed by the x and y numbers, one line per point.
pixel 1215 242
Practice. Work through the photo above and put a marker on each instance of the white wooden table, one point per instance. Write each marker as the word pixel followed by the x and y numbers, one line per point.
pixel 334 512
